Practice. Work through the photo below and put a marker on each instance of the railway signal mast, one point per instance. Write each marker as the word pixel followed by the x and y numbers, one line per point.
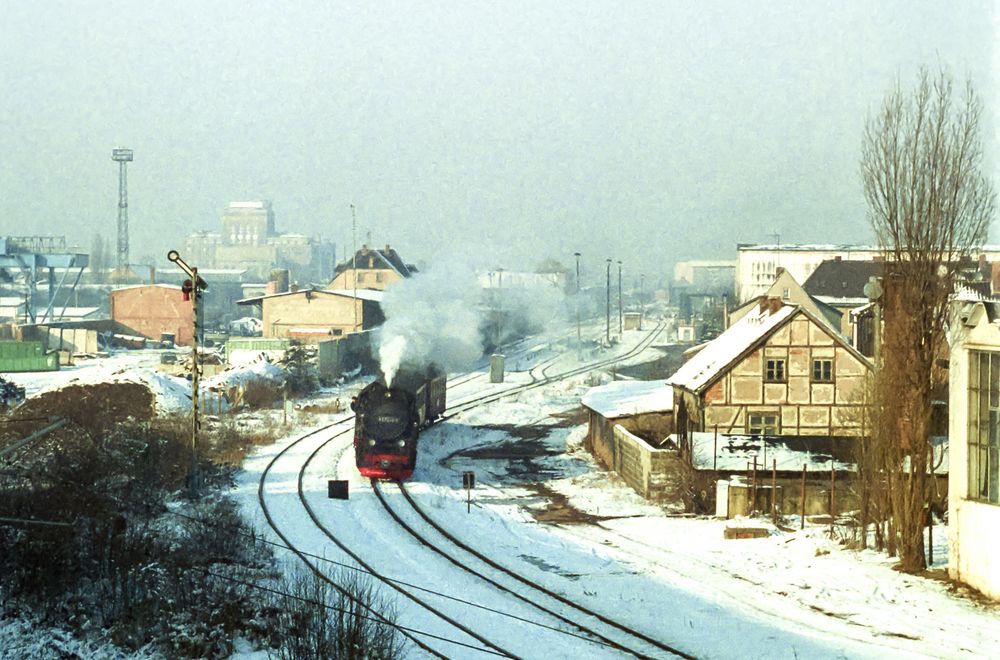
pixel 122 156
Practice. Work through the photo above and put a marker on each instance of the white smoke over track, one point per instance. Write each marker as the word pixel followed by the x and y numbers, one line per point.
pixel 431 318
pixel 444 317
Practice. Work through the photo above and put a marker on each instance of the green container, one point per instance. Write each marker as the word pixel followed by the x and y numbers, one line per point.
pixel 257 344
pixel 24 356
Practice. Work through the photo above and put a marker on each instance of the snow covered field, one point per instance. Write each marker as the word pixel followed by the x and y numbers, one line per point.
pixel 543 508
pixel 794 594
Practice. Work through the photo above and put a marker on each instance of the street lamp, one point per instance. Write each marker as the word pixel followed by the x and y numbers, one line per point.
pixel 578 339
pixel 621 326
pixel 499 303
pixel 608 305
pixel 642 288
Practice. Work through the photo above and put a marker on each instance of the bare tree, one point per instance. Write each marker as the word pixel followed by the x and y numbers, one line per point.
pixel 929 205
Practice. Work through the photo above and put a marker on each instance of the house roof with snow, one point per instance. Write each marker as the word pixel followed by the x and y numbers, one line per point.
pixel 367 258
pixel 740 339
pixel 629 397
pixel 724 350
pixel 786 288
pixel 370 295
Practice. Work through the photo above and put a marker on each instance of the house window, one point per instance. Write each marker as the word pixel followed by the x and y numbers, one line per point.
pixel 786 293
pixel 762 423
pixel 380 276
pixel 984 427
pixel 774 371
pixel 361 277
pixel 822 371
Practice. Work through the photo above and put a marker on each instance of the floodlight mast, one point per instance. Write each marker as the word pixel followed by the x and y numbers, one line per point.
pixel 122 157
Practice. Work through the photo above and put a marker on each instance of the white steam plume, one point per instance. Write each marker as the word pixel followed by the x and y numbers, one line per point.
pixel 440 316
pixel 431 318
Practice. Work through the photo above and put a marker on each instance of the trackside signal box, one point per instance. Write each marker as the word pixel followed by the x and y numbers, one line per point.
pixel 496 368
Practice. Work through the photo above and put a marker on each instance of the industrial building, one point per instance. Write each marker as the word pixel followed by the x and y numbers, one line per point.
pixel 152 310
pixel 312 315
pixel 249 241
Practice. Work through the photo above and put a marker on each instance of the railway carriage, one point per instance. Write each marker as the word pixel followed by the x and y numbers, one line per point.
pixel 389 419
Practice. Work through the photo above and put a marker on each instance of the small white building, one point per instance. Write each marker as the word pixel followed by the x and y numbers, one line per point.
pixel 974 430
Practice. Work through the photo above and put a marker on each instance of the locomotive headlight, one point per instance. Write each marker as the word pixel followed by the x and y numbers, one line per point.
pixel 402 443
pixel 371 443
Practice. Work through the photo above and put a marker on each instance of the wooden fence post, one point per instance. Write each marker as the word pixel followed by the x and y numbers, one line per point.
pixel 833 496
pixel 753 488
pixel 774 490
pixel 802 525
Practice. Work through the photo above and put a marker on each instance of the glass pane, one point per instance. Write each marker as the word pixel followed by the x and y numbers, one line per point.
pixel 981 473
pixel 984 372
pixel 973 477
pixel 993 475
pixel 974 371
pixel 994 380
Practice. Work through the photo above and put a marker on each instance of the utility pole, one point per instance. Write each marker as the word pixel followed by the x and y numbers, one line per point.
pixel 621 325
pixel 642 300
pixel 192 289
pixel 354 262
pixel 499 303
pixel 607 333
pixel 579 340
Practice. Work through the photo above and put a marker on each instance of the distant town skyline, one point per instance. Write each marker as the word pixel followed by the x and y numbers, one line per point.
pixel 506 133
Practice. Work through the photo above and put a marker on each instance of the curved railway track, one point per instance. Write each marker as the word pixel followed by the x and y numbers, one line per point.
pixel 489 646
pixel 588 628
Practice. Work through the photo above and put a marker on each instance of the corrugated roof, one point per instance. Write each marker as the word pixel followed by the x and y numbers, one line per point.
pixel 629 397
pixel 371 295
pixel 727 347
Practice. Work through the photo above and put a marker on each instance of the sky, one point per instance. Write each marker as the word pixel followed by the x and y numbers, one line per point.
pixel 501 133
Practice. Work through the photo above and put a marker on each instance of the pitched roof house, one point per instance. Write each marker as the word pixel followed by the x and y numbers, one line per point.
pixel 781 370
pixel 787 288
pixel 371 269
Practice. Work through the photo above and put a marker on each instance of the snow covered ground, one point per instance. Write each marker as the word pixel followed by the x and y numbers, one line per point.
pixel 546 510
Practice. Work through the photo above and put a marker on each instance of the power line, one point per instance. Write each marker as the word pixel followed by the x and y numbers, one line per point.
pixel 259 538
pixel 34 521
pixel 389 579
pixel 413 631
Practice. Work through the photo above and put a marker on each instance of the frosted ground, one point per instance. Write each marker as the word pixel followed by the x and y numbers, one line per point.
pixel 793 594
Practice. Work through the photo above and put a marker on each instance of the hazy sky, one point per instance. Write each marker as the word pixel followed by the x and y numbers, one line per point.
pixel 509 131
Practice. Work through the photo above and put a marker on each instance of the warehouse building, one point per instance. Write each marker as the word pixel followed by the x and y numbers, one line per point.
pixel 313 315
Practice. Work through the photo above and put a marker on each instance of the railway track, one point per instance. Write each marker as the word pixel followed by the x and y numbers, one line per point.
pixel 592 620
pixel 331 435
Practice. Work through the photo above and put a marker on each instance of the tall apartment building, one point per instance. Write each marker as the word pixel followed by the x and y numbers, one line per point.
pixel 249 241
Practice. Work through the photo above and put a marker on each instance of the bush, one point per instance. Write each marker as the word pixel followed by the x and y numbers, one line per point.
pixel 316 620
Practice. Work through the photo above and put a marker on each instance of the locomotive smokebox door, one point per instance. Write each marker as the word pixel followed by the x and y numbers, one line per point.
pixel 337 490
pixel 468 480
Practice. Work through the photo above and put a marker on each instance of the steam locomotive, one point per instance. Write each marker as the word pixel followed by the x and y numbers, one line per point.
pixel 388 421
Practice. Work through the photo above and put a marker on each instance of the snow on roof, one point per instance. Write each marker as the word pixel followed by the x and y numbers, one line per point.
pixel 854 301
pixel 720 352
pixel 11 301
pixel 734 452
pixel 373 295
pixel 629 397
